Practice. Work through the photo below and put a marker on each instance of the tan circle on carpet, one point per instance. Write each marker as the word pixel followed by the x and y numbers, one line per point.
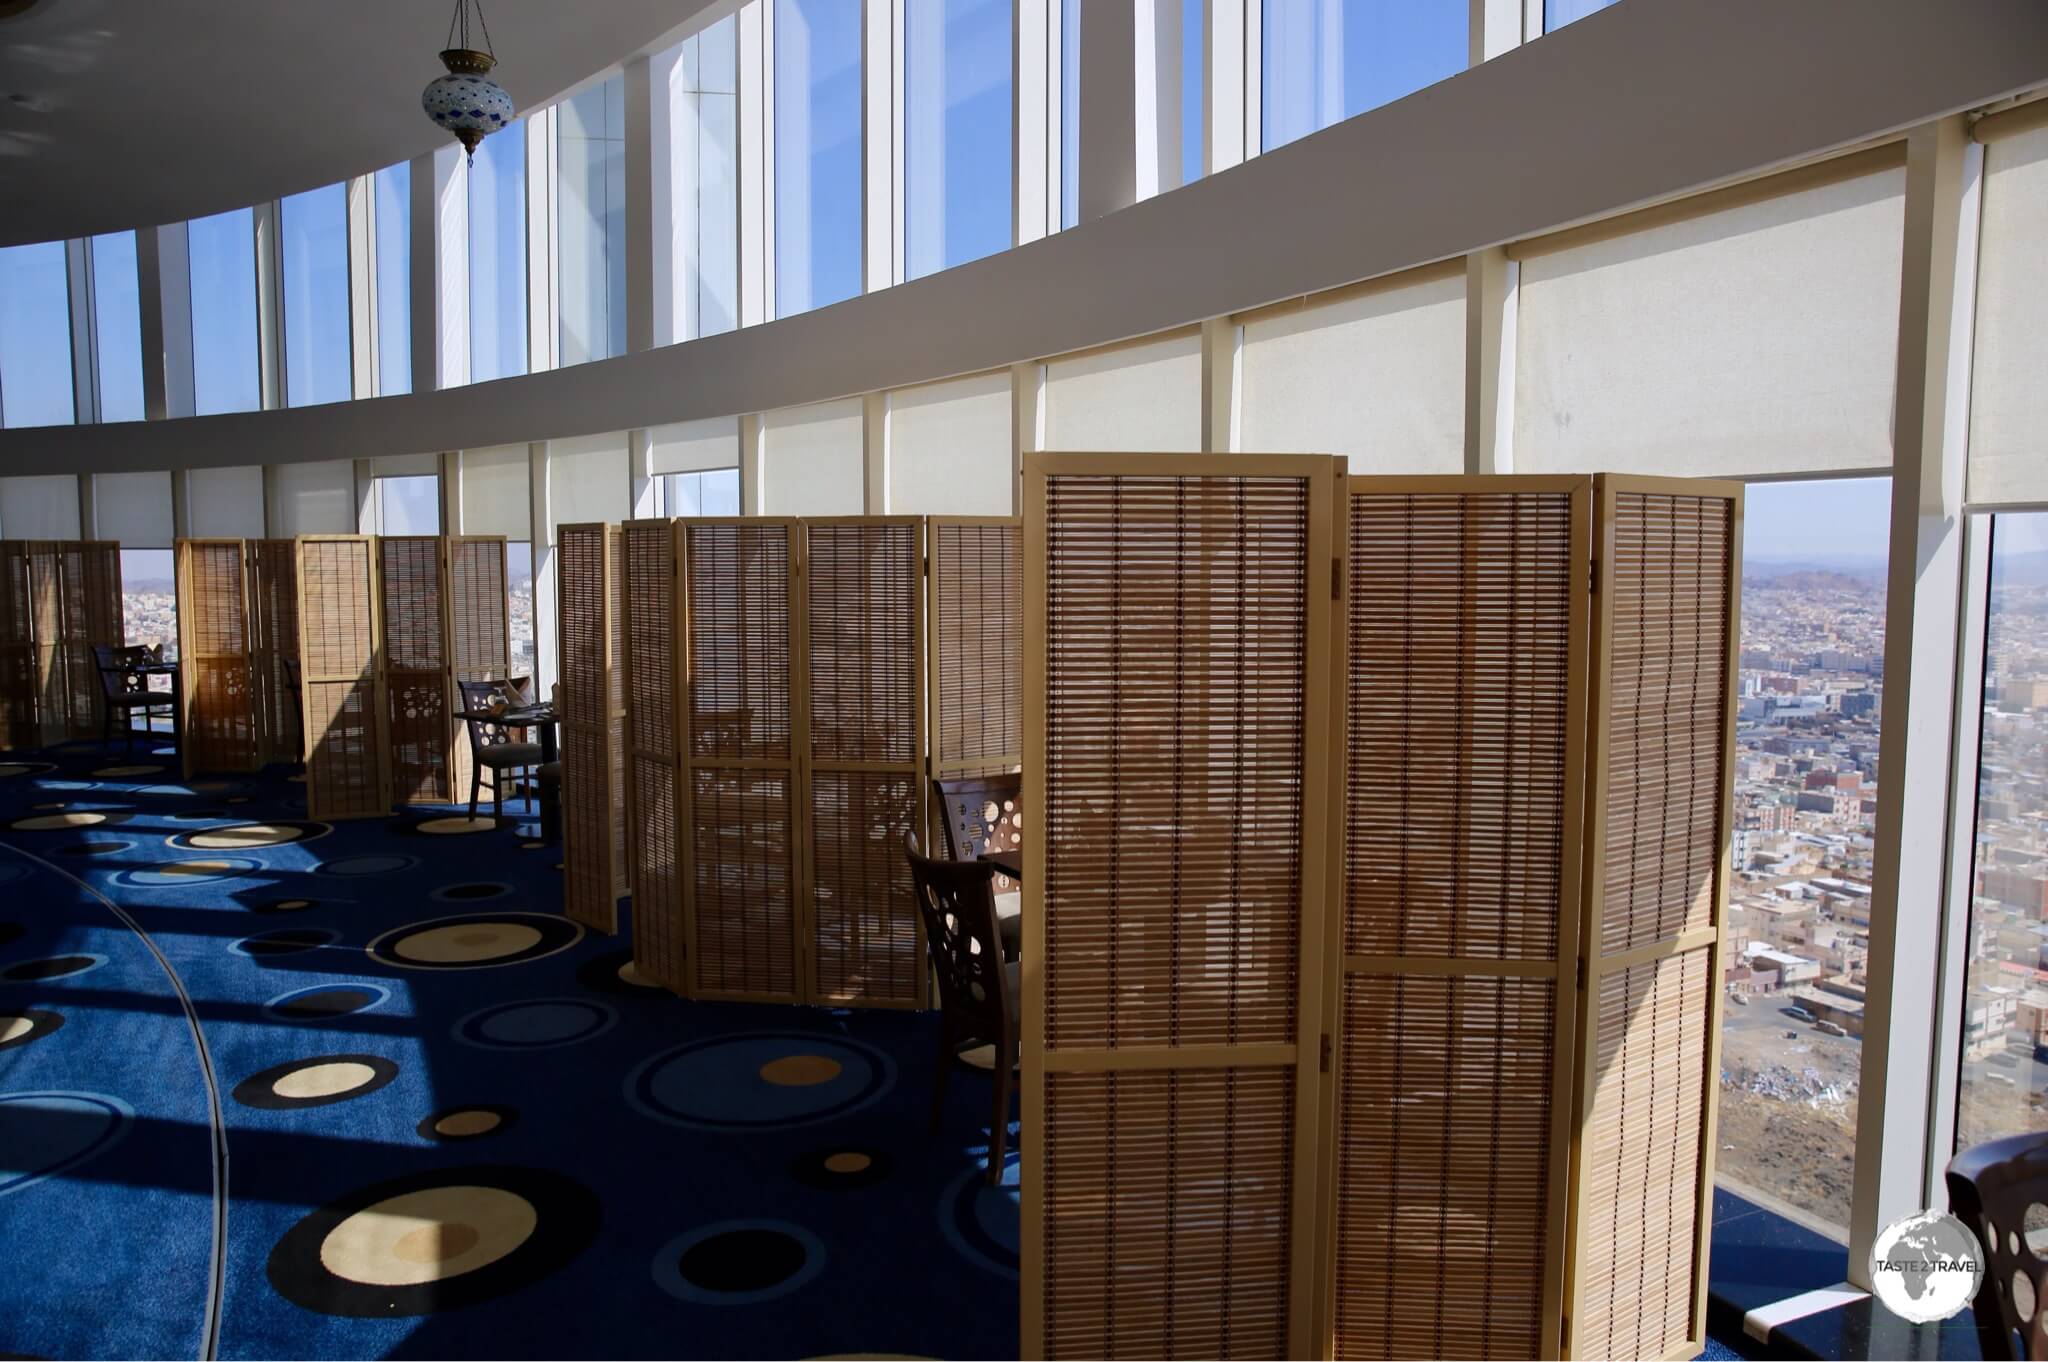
pixel 13 1026
pixel 980 1057
pixel 848 1162
pixel 428 1236
pixel 460 1123
pixel 291 905
pixel 531 846
pixel 800 1071
pixel 13 768
pixel 323 1080
pixel 629 973
pixel 245 835
pixel 50 821
pixel 195 868
pixel 111 772
pixel 465 942
pixel 456 827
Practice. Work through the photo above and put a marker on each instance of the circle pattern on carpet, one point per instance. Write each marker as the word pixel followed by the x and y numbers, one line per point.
pixel 982 1222
pixel 95 848
pixel 122 772
pixel 323 1002
pixel 9 931
pixel 461 825
pixel 290 941
pixel 316 1081
pixel 470 893
pixel 842 1168
pixel 353 866
pixel 250 836
pixel 466 1123
pixel 176 874
pixel 283 905
pixel 47 1133
pixel 720 1083
pixel 613 972
pixel 198 815
pixel 433 1241
pixel 51 968
pixel 74 818
pixel 739 1262
pixel 10 770
pixel 536 1024
pixel 19 1028
pixel 475 941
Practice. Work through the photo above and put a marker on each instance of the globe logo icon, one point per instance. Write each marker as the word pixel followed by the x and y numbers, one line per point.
pixel 1926 1268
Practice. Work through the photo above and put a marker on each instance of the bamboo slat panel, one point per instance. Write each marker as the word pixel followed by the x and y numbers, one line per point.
pixel 1179 644
pixel 46 613
pixel 586 595
pixel 1663 660
pixel 18 727
pixel 342 700
pixel 1461 822
pixel 864 645
pixel 478 613
pixel 420 721
pixel 976 618
pixel 96 565
pixel 741 750
pixel 274 631
pixel 653 829
pixel 216 678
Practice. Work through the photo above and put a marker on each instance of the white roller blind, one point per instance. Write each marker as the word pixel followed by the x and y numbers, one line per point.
pixel 224 503
pixel 1759 339
pixel 590 480
pixel 1129 397
pixel 2009 388
pixel 949 447
pixel 43 507
pixel 497 491
pixel 1379 376
pixel 811 460
pixel 134 508
pixel 693 446
pixel 405 465
pixel 313 498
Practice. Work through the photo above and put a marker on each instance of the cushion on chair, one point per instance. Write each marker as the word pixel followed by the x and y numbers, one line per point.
pixel 509 754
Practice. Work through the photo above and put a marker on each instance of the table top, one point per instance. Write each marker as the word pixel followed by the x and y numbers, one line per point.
pixel 152 669
pixel 1011 863
pixel 515 716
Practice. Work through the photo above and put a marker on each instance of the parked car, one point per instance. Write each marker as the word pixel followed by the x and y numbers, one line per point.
pixel 2006 1079
pixel 1739 999
pixel 1799 1013
pixel 1828 1028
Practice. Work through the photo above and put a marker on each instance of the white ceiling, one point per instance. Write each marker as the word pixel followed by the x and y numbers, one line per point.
pixel 125 113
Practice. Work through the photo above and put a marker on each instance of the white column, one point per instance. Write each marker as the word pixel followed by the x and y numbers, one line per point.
pixel 1222 348
pixel 878 144
pixel 1027 424
pixel 1251 77
pixel 1223 77
pixel 1157 92
pixel 750 464
pixel 167 354
pixel 270 338
pixel 367 505
pixel 1109 149
pixel 1035 136
pixel 874 453
pixel 1492 282
pixel 639 445
pixel 665 93
pixel 440 270
pixel 543 275
pixel 85 351
pixel 546 628
pixel 641 233
pixel 1916 757
pixel 756 188
pixel 1495 27
pixel 362 284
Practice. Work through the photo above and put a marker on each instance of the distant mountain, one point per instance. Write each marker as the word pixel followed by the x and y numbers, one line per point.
pixel 1843 574
pixel 147 586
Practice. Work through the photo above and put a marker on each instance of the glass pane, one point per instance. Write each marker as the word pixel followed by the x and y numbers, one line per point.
pixel 718 491
pixel 704 193
pixel 2005 1015
pixel 957 148
pixel 1328 60
pixel 222 251
pixel 817 153
pixel 497 256
pixel 1813 597
pixel 1070 113
pixel 519 593
pixel 35 336
pixel 117 318
pixel 409 505
pixel 313 230
pixel 590 218
pixel 1558 13
pixel 391 196
pixel 149 600
pixel 1194 108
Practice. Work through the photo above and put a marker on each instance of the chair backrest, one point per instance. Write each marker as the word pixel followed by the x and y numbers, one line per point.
pixel 114 663
pixel 958 904
pixel 478 695
pixel 1990 1188
pixel 981 813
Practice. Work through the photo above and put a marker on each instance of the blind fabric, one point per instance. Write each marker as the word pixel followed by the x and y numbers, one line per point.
pixel 44 507
pixel 811 460
pixel 133 508
pixel 405 465
pixel 1137 398
pixel 1758 340
pixel 224 503
pixel 1379 378
pixel 2008 397
pixel 590 479
pixel 313 498
pixel 949 447
pixel 693 446
pixel 497 492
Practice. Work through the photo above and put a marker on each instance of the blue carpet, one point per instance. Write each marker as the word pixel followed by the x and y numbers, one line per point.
pixel 614 1172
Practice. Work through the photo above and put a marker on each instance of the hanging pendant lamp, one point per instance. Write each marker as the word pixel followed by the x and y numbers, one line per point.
pixel 466 101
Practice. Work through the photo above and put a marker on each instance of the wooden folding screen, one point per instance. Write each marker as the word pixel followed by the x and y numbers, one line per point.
pixel 1180 638
pixel 864 769
pixel 217 682
pixel 477 611
pixel 975 618
pixel 46 612
pixel 742 740
pixel 414 659
pixel 274 651
pixel 652 698
pixel 92 616
pixel 18 727
pixel 1451 992
pixel 588 586
pixel 342 696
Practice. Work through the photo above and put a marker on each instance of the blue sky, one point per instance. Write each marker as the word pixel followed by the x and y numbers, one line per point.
pixel 1835 519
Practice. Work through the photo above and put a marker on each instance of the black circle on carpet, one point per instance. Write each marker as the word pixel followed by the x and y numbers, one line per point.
pixel 323 1003
pixel 273 832
pixel 473 1121
pixel 474 941
pixel 470 893
pixel 41 1022
pixel 290 941
pixel 10 931
pixel 53 967
pixel 482 1231
pixel 95 848
pixel 613 972
pixel 741 1260
pixel 315 1081
pixel 291 905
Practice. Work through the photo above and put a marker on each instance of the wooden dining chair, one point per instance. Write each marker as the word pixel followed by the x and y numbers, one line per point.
pixel 495 747
pixel 124 691
pixel 985 813
pixel 978 989
pixel 1990 1189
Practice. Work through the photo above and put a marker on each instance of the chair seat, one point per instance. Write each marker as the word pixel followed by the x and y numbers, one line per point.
pixel 509 754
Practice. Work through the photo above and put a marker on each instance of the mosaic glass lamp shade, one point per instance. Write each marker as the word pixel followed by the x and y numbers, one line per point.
pixel 466 101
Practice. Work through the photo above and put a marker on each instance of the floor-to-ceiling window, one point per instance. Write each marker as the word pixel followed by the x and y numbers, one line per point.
pixel 957 113
pixel 313 231
pixel 703 139
pixel 222 252
pixel 391 204
pixel 1070 112
pixel 35 336
pixel 497 256
pixel 1558 13
pixel 817 153
pixel 519 606
pixel 408 505
pixel 1194 103
pixel 590 222
pixel 149 600
pixel 1328 60
pixel 711 491
pixel 117 326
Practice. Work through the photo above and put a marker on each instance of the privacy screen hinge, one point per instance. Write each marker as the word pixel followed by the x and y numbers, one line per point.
pixel 1593 577
pixel 1326 1054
